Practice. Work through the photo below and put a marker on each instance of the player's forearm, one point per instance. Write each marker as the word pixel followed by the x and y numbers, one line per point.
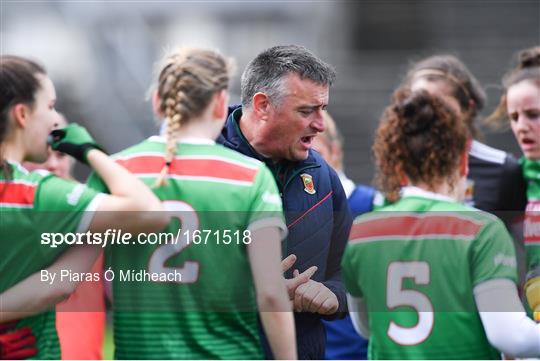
pixel 506 324
pixel 33 295
pixel 357 311
pixel 272 299
pixel 122 183
pixel 279 329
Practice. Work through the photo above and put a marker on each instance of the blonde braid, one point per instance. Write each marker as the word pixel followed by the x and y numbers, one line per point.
pixel 187 83
pixel 174 114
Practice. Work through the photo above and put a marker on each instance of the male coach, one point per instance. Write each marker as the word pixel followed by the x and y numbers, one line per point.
pixel 284 93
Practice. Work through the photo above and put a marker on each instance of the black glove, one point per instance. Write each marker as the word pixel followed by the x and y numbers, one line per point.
pixel 73 140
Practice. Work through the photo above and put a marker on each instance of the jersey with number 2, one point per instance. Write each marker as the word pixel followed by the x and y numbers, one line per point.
pixel 206 306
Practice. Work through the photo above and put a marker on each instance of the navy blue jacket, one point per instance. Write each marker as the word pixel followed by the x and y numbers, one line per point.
pixel 318 224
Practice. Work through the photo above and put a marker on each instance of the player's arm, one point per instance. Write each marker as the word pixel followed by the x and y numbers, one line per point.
pixel 127 192
pixel 506 324
pixel 358 313
pixel 274 306
pixel 32 295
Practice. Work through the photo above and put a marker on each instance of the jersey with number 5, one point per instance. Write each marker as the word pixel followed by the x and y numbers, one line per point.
pixel 203 304
pixel 415 264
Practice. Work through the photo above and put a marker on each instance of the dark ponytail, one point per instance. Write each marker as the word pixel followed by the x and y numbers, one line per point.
pixel 18 84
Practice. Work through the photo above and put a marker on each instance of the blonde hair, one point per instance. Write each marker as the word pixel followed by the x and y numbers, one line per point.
pixel 333 138
pixel 187 82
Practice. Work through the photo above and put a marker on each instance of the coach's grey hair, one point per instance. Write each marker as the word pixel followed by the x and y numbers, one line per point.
pixel 266 72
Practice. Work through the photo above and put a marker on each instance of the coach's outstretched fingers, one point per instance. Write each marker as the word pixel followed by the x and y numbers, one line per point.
pixel 299 279
pixel 288 262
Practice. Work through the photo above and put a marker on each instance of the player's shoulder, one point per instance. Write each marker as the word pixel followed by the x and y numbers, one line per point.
pixel 152 146
pixel 237 157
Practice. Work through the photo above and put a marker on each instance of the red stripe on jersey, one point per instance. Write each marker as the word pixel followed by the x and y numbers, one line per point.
pixel 15 193
pixel 532 226
pixel 414 226
pixel 212 168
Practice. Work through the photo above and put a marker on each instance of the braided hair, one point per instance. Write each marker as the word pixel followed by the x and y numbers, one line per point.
pixel 186 84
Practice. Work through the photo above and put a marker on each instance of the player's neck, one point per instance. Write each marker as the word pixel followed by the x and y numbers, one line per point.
pixel 12 150
pixel 443 188
pixel 206 129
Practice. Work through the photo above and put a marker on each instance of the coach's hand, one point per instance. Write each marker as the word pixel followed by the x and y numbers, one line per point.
pixel 73 140
pixel 315 297
pixel 299 278
pixel 16 345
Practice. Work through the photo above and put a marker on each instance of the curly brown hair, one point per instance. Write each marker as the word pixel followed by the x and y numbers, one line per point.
pixel 527 68
pixel 421 137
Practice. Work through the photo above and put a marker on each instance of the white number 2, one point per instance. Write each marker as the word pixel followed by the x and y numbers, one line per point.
pixel 396 296
pixel 189 223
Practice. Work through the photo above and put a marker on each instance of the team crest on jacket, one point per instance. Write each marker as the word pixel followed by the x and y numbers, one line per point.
pixel 309 187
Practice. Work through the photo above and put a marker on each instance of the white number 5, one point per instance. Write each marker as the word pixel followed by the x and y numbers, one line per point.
pixel 396 296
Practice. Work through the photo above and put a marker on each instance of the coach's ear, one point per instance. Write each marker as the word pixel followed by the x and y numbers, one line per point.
pixel 261 106
pixel 156 104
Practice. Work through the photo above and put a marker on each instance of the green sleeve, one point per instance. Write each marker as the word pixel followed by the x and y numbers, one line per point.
pixel 62 206
pixel 349 272
pixel 493 254
pixel 266 206
pixel 94 181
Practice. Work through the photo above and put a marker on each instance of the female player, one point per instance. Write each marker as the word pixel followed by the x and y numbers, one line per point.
pixel 520 104
pixel 425 271
pixel 84 310
pixel 224 263
pixel 34 204
pixel 491 171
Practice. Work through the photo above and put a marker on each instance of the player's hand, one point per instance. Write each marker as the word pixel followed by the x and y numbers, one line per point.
pixel 532 291
pixel 73 140
pixel 315 297
pixel 17 345
pixel 299 278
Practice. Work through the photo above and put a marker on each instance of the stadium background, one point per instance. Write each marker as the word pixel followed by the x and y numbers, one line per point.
pixel 101 54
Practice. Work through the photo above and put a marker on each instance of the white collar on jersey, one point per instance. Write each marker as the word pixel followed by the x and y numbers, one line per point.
pixel 189 140
pixel 18 166
pixel 412 191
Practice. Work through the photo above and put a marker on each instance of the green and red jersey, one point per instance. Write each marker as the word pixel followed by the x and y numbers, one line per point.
pixel 531 173
pixel 416 263
pixel 32 204
pixel 211 313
